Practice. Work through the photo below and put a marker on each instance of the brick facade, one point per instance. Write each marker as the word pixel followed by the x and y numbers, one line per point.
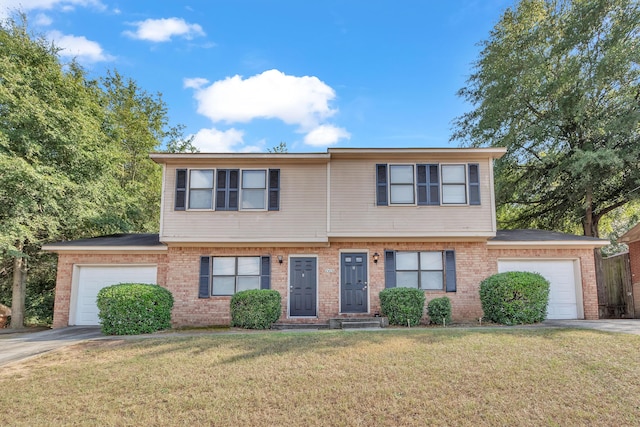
pixel 178 271
pixel 634 260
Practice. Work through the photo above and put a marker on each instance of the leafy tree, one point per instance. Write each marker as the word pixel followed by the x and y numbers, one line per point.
pixel 280 148
pixel 557 83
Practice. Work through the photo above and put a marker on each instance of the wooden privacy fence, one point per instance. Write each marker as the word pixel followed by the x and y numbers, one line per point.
pixel 615 293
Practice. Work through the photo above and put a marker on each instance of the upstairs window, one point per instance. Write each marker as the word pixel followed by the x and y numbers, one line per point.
pixel 401 185
pixel 454 184
pixel 200 189
pixel 254 189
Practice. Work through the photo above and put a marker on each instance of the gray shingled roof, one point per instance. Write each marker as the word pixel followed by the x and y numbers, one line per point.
pixel 123 239
pixel 538 236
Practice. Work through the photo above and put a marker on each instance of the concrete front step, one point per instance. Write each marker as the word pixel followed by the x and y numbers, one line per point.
pixel 299 326
pixel 359 324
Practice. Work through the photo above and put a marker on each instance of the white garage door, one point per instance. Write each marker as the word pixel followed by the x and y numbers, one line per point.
pixel 563 301
pixel 93 278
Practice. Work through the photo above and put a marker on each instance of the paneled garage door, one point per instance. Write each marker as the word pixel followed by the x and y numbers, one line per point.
pixel 93 278
pixel 563 298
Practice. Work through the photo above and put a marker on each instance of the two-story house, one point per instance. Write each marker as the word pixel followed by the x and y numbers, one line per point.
pixel 328 231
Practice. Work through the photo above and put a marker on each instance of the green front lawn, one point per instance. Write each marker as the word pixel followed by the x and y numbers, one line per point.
pixel 389 378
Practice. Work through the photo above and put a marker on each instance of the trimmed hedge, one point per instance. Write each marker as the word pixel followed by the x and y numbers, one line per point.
pixel 515 297
pixel 403 306
pixel 255 309
pixel 134 308
pixel 439 310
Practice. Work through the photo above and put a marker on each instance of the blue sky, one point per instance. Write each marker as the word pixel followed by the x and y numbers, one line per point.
pixel 245 75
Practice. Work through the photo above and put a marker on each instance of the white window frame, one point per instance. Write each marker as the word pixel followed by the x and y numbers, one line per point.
pixel 188 188
pixel 465 184
pixel 265 190
pixel 390 184
pixel 236 275
pixel 420 270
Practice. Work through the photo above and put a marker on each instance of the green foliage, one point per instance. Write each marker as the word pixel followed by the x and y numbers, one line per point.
pixel 255 309
pixel 556 83
pixel 280 148
pixel 403 306
pixel 515 297
pixel 439 310
pixel 134 308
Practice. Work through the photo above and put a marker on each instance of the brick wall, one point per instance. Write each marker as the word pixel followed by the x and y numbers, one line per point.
pixel 634 259
pixel 178 271
pixel 66 263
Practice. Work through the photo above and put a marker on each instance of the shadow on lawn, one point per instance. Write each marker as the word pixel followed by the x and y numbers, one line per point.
pixel 255 345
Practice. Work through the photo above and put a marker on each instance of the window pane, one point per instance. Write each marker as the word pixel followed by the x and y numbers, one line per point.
pixel 402 174
pixel 248 282
pixel 407 261
pixel 454 174
pixel 454 194
pixel 201 179
pixel 223 286
pixel 224 266
pixel 431 280
pixel 253 199
pixel 407 279
pixel 253 179
pixel 248 266
pixel 430 260
pixel 200 199
pixel 402 194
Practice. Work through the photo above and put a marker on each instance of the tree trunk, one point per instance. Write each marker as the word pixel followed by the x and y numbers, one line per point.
pixel 19 292
pixel 590 221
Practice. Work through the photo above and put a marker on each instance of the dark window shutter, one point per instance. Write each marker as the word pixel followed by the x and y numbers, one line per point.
pixel 274 189
pixel 265 272
pixel 233 189
pixel 221 190
pixel 181 189
pixel 381 185
pixel 474 184
pixel 422 184
pixel 389 269
pixel 434 184
pixel 450 270
pixel 205 277
pixel 227 190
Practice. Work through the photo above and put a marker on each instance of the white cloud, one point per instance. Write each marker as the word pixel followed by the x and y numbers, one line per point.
pixel 9 6
pixel 79 47
pixel 43 20
pixel 325 135
pixel 194 83
pixel 302 101
pixel 162 30
pixel 217 141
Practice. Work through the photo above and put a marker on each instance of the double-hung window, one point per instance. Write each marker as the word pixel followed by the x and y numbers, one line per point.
pixel 420 270
pixel 454 184
pixel 254 189
pixel 401 185
pixel 226 275
pixel 201 189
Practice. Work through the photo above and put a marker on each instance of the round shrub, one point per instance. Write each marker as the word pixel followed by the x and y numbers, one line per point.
pixel 255 309
pixel 439 311
pixel 515 297
pixel 403 306
pixel 134 308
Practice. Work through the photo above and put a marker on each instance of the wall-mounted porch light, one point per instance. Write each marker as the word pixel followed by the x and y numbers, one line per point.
pixel 375 257
pixel 280 259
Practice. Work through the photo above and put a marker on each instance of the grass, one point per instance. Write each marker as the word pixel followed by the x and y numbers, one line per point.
pixel 556 377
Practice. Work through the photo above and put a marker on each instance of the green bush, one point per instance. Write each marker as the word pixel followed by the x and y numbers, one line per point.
pixel 255 309
pixel 515 297
pixel 403 306
pixel 439 310
pixel 134 308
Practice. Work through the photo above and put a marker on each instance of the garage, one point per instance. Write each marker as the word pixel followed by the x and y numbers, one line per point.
pixel 564 291
pixel 88 280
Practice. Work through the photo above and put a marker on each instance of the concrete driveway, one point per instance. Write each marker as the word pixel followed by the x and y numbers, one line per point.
pixel 22 345
pixel 627 326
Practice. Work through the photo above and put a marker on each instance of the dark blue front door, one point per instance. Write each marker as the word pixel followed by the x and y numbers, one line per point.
pixel 302 287
pixel 353 283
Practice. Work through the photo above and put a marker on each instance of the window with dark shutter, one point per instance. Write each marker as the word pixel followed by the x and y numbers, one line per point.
pixel 274 189
pixel 227 190
pixel 265 272
pixel 450 270
pixel 381 185
pixel 389 269
pixel 474 184
pixel 181 190
pixel 205 277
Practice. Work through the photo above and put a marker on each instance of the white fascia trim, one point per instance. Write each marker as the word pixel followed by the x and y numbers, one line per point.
pixel 547 243
pixel 486 234
pixel 53 248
